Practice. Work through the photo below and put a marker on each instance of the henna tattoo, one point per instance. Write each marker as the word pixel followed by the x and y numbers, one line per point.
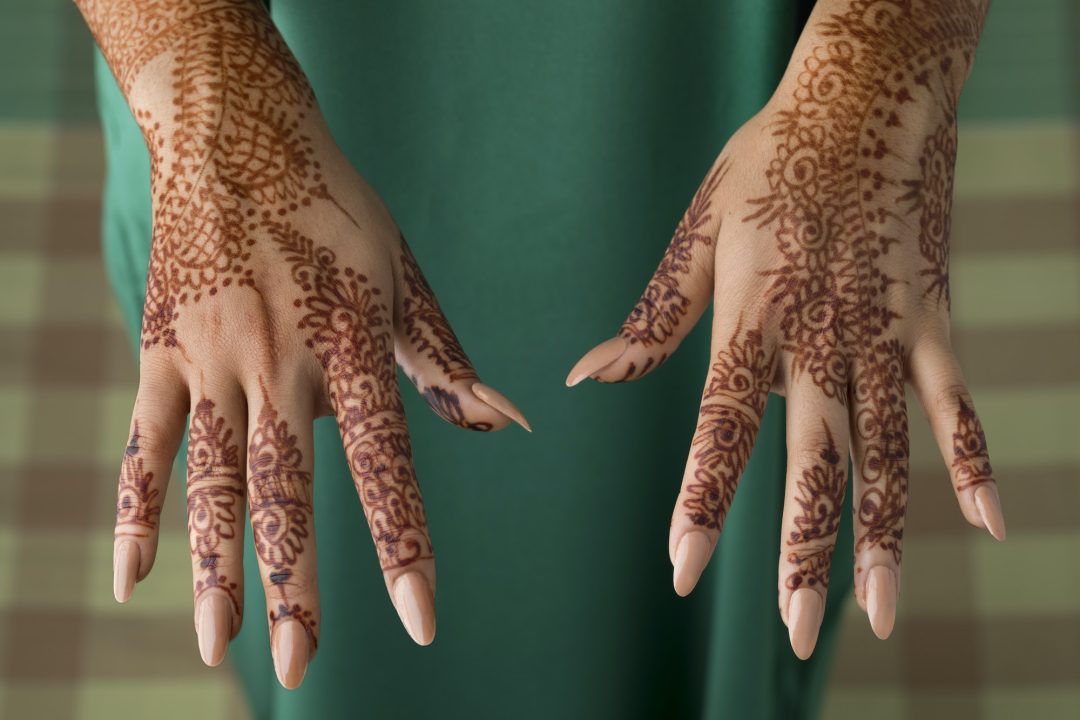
pixel 447 405
pixel 138 504
pixel 280 498
pixel 971 460
pixel 662 306
pixel 820 499
pixel 731 410
pixel 834 205
pixel 215 495
pixel 349 328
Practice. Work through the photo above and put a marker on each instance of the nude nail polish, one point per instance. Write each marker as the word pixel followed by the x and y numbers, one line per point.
pixel 415 606
pixel 125 570
pixel 691 556
pixel 213 626
pixel 291 652
pixel 989 506
pixel 881 600
pixel 500 402
pixel 804 621
pixel 596 360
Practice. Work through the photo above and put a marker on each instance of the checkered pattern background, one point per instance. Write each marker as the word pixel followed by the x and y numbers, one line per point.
pixel 985 630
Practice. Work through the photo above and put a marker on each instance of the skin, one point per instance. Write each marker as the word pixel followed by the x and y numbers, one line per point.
pixel 279 290
pixel 821 234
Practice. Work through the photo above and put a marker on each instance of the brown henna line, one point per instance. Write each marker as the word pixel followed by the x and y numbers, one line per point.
pixel 820 499
pixel 215 496
pixel 138 504
pixel 731 409
pixel 349 328
pixel 663 306
pixel 971 461
pixel 280 499
pixel 447 405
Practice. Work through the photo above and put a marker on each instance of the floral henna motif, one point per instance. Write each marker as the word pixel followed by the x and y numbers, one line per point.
pixel 835 202
pixel 280 498
pixel 662 306
pixel 215 496
pixel 731 410
pixel 349 328
pixel 138 504
pixel 447 405
pixel 971 460
pixel 820 499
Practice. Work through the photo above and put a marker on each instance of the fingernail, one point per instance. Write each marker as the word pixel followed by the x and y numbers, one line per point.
pixel 881 600
pixel 291 651
pixel 804 621
pixel 691 556
pixel 415 607
pixel 500 402
pixel 989 506
pixel 214 626
pixel 125 570
pixel 596 360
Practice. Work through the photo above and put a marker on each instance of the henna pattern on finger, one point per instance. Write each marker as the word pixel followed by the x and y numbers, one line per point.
pixel 138 503
pixel 663 306
pixel 971 460
pixel 280 500
pixel 820 499
pixel 215 496
pixel 731 410
pixel 447 405
pixel 349 328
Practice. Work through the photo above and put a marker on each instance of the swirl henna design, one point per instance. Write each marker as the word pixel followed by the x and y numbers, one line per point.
pixel 138 504
pixel 820 499
pixel 731 410
pixel 215 496
pixel 280 500
pixel 971 460
pixel 349 329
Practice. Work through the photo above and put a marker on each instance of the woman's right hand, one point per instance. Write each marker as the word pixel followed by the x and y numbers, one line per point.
pixel 279 290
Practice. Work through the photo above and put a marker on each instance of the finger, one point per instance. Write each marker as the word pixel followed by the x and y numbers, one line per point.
pixel 817 445
pixel 678 293
pixel 215 506
pixel 942 392
pixel 429 352
pixel 732 405
pixel 157 426
pixel 279 486
pixel 879 439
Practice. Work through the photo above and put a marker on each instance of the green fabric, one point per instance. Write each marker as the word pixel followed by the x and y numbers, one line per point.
pixel 537 157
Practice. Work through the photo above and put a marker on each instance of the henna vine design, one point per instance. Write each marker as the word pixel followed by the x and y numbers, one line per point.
pixel 349 329
pixel 971 460
pixel 662 306
pixel 138 504
pixel 834 207
pixel 731 410
pixel 820 499
pixel 280 497
pixel 215 496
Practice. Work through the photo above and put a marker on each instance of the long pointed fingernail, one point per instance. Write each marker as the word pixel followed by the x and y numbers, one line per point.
pixel 989 506
pixel 804 621
pixel 500 402
pixel 691 556
pixel 596 360
pixel 415 606
pixel 291 651
pixel 125 570
pixel 214 626
pixel 881 600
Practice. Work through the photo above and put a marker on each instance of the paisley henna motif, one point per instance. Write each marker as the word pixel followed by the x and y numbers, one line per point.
pixel 138 504
pixel 820 499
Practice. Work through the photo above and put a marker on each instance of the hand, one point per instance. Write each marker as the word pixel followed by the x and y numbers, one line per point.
pixel 821 235
pixel 279 290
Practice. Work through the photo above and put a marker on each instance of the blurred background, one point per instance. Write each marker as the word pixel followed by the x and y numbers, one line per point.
pixel 985 630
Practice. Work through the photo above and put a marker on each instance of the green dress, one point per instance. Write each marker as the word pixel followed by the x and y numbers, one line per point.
pixel 538 157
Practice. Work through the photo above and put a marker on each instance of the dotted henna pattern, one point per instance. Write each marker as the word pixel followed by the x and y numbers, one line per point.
pixel 280 497
pixel 138 504
pixel 348 324
pixel 215 497
pixel 820 500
